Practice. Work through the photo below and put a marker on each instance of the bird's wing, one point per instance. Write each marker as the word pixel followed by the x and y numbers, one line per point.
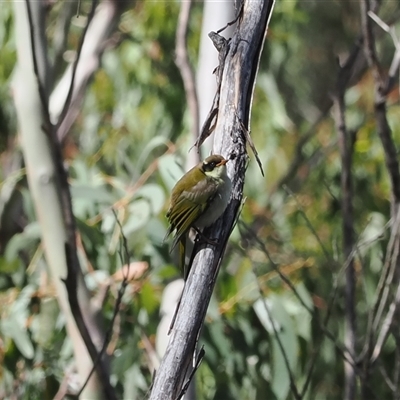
pixel 187 206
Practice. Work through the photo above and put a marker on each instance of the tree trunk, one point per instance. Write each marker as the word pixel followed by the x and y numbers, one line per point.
pixel 238 70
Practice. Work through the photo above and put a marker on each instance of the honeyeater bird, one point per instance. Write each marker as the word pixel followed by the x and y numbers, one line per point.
pixel 198 199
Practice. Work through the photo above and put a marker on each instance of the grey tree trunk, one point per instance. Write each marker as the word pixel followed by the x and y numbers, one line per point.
pixel 239 60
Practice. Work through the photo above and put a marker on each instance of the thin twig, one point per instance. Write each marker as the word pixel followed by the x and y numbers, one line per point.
pixel 60 37
pixel 396 372
pixel 63 388
pixel 386 278
pixel 250 142
pixel 199 359
pixel 346 141
pixel 298 155
pixel 222 46
pixel 388 273
pixel 383 127
pixel 346 74
pixel 293 386
pixel 41 89
pixel 387 325
pixel 125 260
pixel 71 285
pixel 75 65
pixel 285 279
pixel 186 69
pixel 382 289
pixel 97 39
pixel 322 325
pixel 341 349
pixel 78 9
pixel 389 151
pixel 394 66
pixel 387 379
pixel 392 166
pixel 239 14
pixel 308 223
pixel 369 40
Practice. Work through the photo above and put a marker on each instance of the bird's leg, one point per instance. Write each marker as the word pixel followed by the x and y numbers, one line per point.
pixel 206 239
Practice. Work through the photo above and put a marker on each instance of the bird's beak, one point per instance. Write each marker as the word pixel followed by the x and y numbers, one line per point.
pixel 223 162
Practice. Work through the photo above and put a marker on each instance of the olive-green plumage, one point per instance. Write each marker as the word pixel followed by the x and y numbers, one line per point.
pixel 199 198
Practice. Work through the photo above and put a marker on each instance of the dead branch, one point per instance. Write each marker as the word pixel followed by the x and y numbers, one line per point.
pixel 236 91
pixel 383 127
pixel 346 141
pixel 392 257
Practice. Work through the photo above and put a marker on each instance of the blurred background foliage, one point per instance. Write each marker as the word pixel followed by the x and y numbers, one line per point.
pixel 126 151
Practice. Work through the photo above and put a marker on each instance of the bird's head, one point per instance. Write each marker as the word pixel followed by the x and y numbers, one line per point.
pixel 214 166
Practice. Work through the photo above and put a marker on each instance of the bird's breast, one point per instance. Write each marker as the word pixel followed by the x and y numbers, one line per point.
pixel 217 205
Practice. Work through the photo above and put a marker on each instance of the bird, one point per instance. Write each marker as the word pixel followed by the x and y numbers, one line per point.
pixel 198 199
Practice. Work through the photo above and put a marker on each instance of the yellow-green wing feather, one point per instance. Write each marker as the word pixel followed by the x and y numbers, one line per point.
pixel 188 205
pixel 184 218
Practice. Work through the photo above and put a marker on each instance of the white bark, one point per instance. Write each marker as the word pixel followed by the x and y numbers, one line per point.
pixel 42 179
pixel 216 15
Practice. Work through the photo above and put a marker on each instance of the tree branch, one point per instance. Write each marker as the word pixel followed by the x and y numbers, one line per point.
pixel 238 79
pixel 78 74
pixel 392 261
pixel 343 351
pixel 383 127
pixel 186 70
pixel 48 182
pixel 293 386
pixel 346 144
pixel 125 260
pixel 60 37
pixel 67 102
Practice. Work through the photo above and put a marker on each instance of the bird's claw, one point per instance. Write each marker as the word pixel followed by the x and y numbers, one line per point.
pixel 200 236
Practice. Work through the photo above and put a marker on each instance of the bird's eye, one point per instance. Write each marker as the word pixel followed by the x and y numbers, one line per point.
pixel 209 166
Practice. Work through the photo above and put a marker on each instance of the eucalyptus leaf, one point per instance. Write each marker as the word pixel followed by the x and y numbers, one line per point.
pixel 8 266
pixel 21 241
pixel 7 188
pixel 374 229
pixel 124 358
pixel 86 197
pixel 133 381
pixel 98 194
pixel 108 221
pixel 12 328
pixel 29 207
pixel 301 316
pixel 149 298
pixel 261 308
pixel 155 196
pixel 220 340
pixel 43 324
pixel 156 231
pixel 279 117
pixel 272 308
pixel 287 336
pixel 140 212
pixel 170 170
pixel 153 143
pixel 280 376
pixel 304 295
